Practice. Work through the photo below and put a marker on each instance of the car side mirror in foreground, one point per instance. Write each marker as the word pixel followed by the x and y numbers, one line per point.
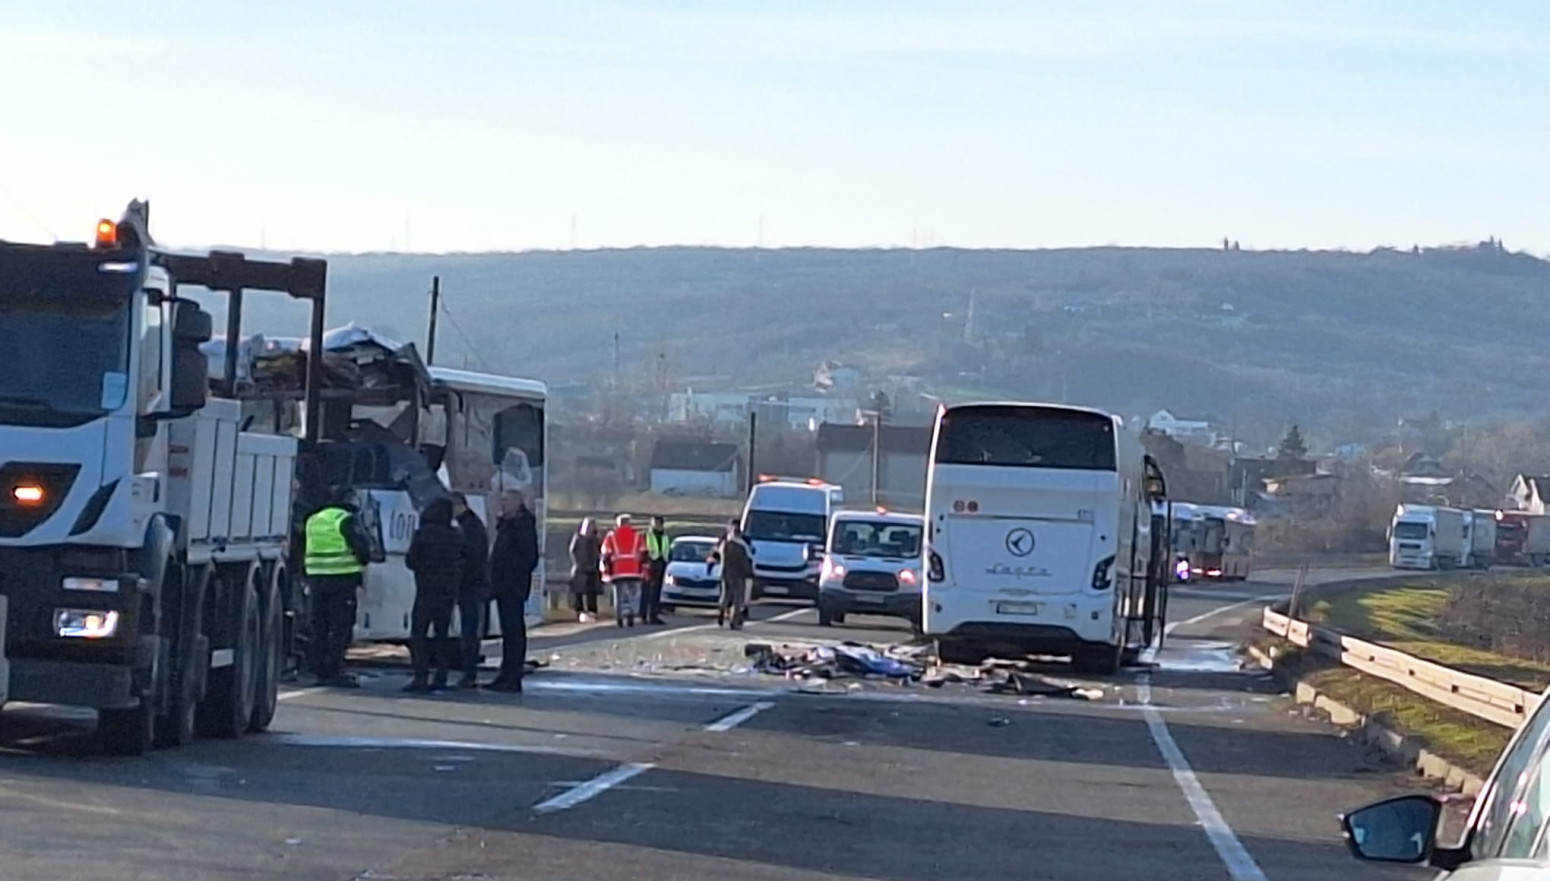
pixel 1399 830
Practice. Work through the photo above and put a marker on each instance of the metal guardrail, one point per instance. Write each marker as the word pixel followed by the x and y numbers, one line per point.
pixel 1478 696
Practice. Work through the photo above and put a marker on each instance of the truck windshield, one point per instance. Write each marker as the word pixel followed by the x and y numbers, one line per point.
pixel 1410 531
pixel 781 526
pixel 67 360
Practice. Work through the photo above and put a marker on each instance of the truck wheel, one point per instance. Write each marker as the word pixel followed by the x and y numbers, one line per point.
pixel 228 705
pixel 127 732
pixel 267 688
pixel 178 726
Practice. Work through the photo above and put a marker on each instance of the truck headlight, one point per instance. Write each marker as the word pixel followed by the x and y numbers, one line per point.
pixel 85 623
pixel 97 585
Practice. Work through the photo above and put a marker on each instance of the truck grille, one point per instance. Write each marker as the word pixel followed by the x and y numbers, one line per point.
pixel 871 581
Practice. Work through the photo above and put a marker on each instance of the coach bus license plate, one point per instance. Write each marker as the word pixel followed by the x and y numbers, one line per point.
pixel 1017 608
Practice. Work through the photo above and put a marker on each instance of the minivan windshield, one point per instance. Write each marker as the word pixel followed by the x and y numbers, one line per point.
pixel 874 538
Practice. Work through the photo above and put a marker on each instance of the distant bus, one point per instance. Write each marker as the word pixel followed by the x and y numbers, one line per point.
pixel 1225 542
pixel 1047 533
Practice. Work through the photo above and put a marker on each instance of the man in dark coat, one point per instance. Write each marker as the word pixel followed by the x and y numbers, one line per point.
pixel 735 555
pixel 513 557
pixel 474 596
pixel 435 557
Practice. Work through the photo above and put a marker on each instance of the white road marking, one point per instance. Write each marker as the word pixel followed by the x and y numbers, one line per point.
pixel 353 742
pixel 658 634
pixel 1228 848
pixel 592 788
pixel 1267 600
pixel 287 695
pixel 738 717
pixel 641 685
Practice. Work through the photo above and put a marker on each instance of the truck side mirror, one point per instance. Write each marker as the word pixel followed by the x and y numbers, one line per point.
pixel 190 386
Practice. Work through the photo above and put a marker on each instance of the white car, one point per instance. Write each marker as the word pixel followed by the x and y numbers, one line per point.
pixel 689 581
pixel 871 566
pixel 1507 837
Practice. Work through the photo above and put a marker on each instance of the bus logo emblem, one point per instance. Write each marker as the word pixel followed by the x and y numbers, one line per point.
pixel 1019 542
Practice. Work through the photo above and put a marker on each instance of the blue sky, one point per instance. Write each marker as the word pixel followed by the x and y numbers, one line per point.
pixel 506 124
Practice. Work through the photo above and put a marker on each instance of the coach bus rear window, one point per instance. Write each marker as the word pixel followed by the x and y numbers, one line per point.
pixel 1027 437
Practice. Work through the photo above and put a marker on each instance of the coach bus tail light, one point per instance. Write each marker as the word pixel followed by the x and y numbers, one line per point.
pixel 1103 574
pixel 934 568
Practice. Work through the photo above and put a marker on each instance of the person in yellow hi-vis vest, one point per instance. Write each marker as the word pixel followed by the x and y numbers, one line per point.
pixel 657 544
pixel 336 556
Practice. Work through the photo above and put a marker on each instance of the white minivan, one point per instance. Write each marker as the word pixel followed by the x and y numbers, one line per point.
pixel 786 523
pixel 871 567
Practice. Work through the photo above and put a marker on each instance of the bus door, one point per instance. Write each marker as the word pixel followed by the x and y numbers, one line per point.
pixel 1148 616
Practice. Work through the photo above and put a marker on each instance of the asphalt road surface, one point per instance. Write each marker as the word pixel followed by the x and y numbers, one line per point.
pixel 690 767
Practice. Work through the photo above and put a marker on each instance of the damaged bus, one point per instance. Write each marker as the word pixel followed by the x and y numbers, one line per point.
pixel 1047 532
pixel 400 434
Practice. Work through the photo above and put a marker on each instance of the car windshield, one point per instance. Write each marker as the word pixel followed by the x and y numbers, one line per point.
pixel 871 538
pixel 783 526
pixel 690 551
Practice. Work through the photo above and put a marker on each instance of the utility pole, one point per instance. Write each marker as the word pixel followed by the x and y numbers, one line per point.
pixel 877 454
pixel 753 440
pixel 430 339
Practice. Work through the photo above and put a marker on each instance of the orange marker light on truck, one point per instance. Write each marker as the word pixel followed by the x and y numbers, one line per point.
pixel 107 234
pixel 27 493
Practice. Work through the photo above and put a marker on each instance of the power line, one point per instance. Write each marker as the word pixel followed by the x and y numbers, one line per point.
pixel 468 344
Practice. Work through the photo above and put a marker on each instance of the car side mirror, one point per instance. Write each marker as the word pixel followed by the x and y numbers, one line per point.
pixel 1399 830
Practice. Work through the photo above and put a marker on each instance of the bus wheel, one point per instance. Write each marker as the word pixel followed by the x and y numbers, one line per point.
pixel 951 652
pixel 1102 660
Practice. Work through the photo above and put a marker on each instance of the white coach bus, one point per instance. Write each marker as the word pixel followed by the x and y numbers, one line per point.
pixel 1047 533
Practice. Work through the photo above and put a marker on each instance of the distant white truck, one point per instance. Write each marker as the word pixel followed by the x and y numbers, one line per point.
pixel 1428 537
pixel 787 522
pixel 1480 525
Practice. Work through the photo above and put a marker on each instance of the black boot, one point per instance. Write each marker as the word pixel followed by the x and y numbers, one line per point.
pixel 417 685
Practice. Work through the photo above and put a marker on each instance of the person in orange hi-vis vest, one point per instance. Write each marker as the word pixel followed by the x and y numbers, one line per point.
pixel 624 568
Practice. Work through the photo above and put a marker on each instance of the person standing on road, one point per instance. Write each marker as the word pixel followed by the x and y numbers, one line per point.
pixel 513 557
pixel 586 579
pixel 656 569
pixel 735 555
pixel 436 555
pixel 624 565
pixel 474 595
pixel 337 551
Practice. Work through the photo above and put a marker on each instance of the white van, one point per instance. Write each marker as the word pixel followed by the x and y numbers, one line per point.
pixel 872 567
pixel 786 523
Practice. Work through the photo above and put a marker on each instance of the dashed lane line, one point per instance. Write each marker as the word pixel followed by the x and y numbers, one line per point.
pixel 592 788
pixel 738 717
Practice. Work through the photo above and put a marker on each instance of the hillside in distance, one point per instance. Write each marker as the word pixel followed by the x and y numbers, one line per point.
pixel 1346 342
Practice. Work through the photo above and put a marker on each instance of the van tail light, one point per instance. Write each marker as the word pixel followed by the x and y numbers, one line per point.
pixel 934 568
pixel 1103 574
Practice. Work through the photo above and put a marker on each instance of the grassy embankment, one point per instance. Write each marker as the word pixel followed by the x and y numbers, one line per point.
pixel 1423 617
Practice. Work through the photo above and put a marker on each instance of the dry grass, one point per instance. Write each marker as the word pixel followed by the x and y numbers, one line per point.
pixel 1412 617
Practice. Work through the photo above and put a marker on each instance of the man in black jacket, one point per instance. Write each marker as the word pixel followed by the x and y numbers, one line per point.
pixel 475 593
pixel 436 558
pixel 513 557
